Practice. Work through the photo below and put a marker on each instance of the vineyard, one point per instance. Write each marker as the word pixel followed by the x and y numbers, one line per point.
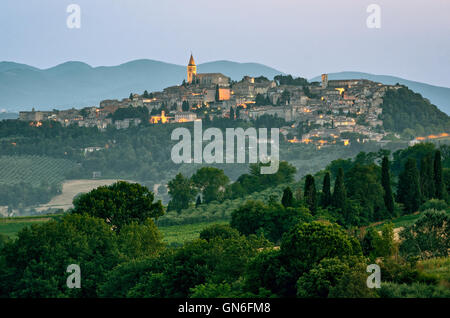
pixel 33 170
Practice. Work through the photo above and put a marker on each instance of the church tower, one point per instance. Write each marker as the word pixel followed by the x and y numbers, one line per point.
pixel 191 70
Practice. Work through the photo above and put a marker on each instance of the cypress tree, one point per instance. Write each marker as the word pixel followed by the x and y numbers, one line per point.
pixel 339 198
pixel 408 191
pixel 217 93
pixel 298 194
pixel 426 177
pixel 386 183
pixel 310 193
pixel 288 199
pixel 231 113
pixel 326 191
pixel 438 181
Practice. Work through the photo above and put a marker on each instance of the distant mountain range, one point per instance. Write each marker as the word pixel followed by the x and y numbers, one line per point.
pixel 439 96
pixel 77 84
pixel 4 115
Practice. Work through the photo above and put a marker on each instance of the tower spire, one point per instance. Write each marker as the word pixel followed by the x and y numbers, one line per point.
pixel 191 61
pixel 191 69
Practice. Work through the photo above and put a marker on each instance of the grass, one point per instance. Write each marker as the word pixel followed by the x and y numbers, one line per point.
pixel 11 226
pixel 403 221
pixel 177 234
pixel 436 267
pixel 173 235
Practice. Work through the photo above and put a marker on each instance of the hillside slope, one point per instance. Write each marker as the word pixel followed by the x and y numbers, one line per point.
pixel 439 96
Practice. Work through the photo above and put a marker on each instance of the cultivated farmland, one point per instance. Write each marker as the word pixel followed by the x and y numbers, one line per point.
pixel 33 170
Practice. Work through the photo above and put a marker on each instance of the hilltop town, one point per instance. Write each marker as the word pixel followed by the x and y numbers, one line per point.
pixel 323 113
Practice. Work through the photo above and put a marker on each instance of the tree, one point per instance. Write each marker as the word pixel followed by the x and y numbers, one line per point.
pixel 379 245
pixel 287 200
pixel 331 278
pixel 363 187
pixel 3 240
pixel 317 282
pixel 434 204
pixel 438 181
pixel 309 243
pixel 210 182
pixel 306 244
pixel 427 186
pixel 140 112
pixel 232 114
pixel 35 264
pixel 339 199
pixel 310 193
pixel 198 202
pixel 408 191
pixel 266 271
pixel 238 111
pixel 260 100
pixel 185 106
pixel 326 191
pixel 285 98
pixel 248 218
pixel 429 237
pixel 353 283
pixel 223 231
pixel 181 191
pixel 125 277
pixel 298 195
pixel 145 95
pixel 386 183
pixel 119 204
pixel 214 261
pixel 217 97
pixel 140 240
pixel 222 290
pixel 272 220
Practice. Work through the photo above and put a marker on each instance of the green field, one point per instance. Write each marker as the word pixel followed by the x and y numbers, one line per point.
pixel 175 234
pixel 33 170
pixel 403 221
pixel 11 226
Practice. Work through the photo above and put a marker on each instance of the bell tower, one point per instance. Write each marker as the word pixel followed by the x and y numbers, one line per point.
pixel 191 70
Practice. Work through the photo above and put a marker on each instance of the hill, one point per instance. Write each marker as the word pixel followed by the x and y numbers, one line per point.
pixel 77 84
pixel 405 111
pixel 439 96
pixel 5 115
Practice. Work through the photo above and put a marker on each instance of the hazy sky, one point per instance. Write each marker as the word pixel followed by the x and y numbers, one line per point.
pixel 304 38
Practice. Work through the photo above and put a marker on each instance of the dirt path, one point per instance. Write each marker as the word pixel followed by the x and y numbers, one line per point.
pixel 70 189
pixel 397 231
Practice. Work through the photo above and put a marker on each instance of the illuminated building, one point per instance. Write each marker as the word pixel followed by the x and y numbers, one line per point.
pixel 160 119
pixel 324 80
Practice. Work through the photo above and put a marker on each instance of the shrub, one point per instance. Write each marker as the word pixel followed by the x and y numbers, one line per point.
pixel 433 204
